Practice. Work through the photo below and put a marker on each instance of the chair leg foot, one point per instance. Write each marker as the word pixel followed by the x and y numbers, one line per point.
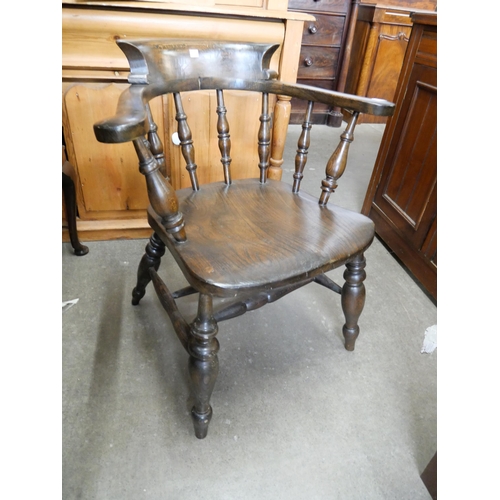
pixel 203 364
pixel 353 299
pixel 69 194
pixel 155 250
pixel 203 376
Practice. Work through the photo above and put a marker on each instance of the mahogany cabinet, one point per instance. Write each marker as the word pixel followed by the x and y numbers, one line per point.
pixel 110 191
pixel 380 39
pixel 402 194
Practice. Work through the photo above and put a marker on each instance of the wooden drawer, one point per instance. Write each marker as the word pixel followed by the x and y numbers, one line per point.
pixel 326 30
pixel 320 5
pixel 318 62
pixel 299 106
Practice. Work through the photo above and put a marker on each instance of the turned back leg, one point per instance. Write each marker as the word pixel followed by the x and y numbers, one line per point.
pixel 155 250
pixel 353 299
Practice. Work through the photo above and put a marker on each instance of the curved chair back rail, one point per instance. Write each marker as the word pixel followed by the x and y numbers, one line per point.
pixel 250 241
pixel 160 67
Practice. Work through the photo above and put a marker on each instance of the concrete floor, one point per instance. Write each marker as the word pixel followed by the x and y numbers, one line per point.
pixel 296 416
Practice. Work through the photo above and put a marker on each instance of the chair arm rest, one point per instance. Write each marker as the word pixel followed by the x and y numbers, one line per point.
pixel 130 120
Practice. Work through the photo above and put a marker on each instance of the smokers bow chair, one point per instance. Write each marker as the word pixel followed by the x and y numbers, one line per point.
pixel 250 240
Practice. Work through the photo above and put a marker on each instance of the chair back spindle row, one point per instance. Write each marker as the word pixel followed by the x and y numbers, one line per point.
pixel 334 169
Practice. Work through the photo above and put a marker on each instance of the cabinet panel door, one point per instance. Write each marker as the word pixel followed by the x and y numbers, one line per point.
pixel 109 182
pixel 387 61
pixel 407 189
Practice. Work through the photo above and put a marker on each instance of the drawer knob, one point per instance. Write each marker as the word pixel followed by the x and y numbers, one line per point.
pixel 308 61
pixel 313 29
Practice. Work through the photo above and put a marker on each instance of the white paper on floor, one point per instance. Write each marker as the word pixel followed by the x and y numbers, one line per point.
pixel 430 340
pixel 69 303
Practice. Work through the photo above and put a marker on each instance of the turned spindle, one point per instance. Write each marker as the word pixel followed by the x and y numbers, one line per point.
pixel 186 141
pixel 160 192
pixel 155 143
pixel 337 162
pixel 264 138
pixel 224 137
pixel 303 148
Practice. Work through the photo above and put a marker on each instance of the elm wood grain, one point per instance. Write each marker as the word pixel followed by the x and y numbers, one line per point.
pixel 248 241
pixel 252 236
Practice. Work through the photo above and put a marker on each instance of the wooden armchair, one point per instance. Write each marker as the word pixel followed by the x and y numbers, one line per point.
pixel 250 240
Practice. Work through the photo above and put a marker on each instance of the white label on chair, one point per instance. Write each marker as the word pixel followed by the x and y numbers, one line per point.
pixel 194 53
pixel 175 138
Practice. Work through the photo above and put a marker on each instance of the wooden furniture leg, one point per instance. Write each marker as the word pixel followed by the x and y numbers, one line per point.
pixel 282 111
pixel 353 299
pixel 155 250
pixel 429 477
pixel 203 364
pixel 69 193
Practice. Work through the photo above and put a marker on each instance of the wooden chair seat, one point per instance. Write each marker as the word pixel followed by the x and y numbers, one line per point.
pixel 234 245
pixel 249 241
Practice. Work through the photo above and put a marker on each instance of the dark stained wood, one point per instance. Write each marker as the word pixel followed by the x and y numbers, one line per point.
pixel 203 364
pixel 155 143
pixel 254 236
pixel 402 194
pixel 224 137
pixel 68 187
pixel 338 161
pixel 155 249
pixel 69 196
pixel 303 147
pixel 161 194
pixel 429 477
pixel 353 299
pixel 186 139
pixel 264 137
pixel 249 241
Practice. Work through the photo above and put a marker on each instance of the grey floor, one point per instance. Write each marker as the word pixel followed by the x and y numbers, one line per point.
pixel 296 416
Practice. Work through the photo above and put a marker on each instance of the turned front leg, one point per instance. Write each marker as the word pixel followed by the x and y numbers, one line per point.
pixel 203 364
pixel 155 250
pixel 353 299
